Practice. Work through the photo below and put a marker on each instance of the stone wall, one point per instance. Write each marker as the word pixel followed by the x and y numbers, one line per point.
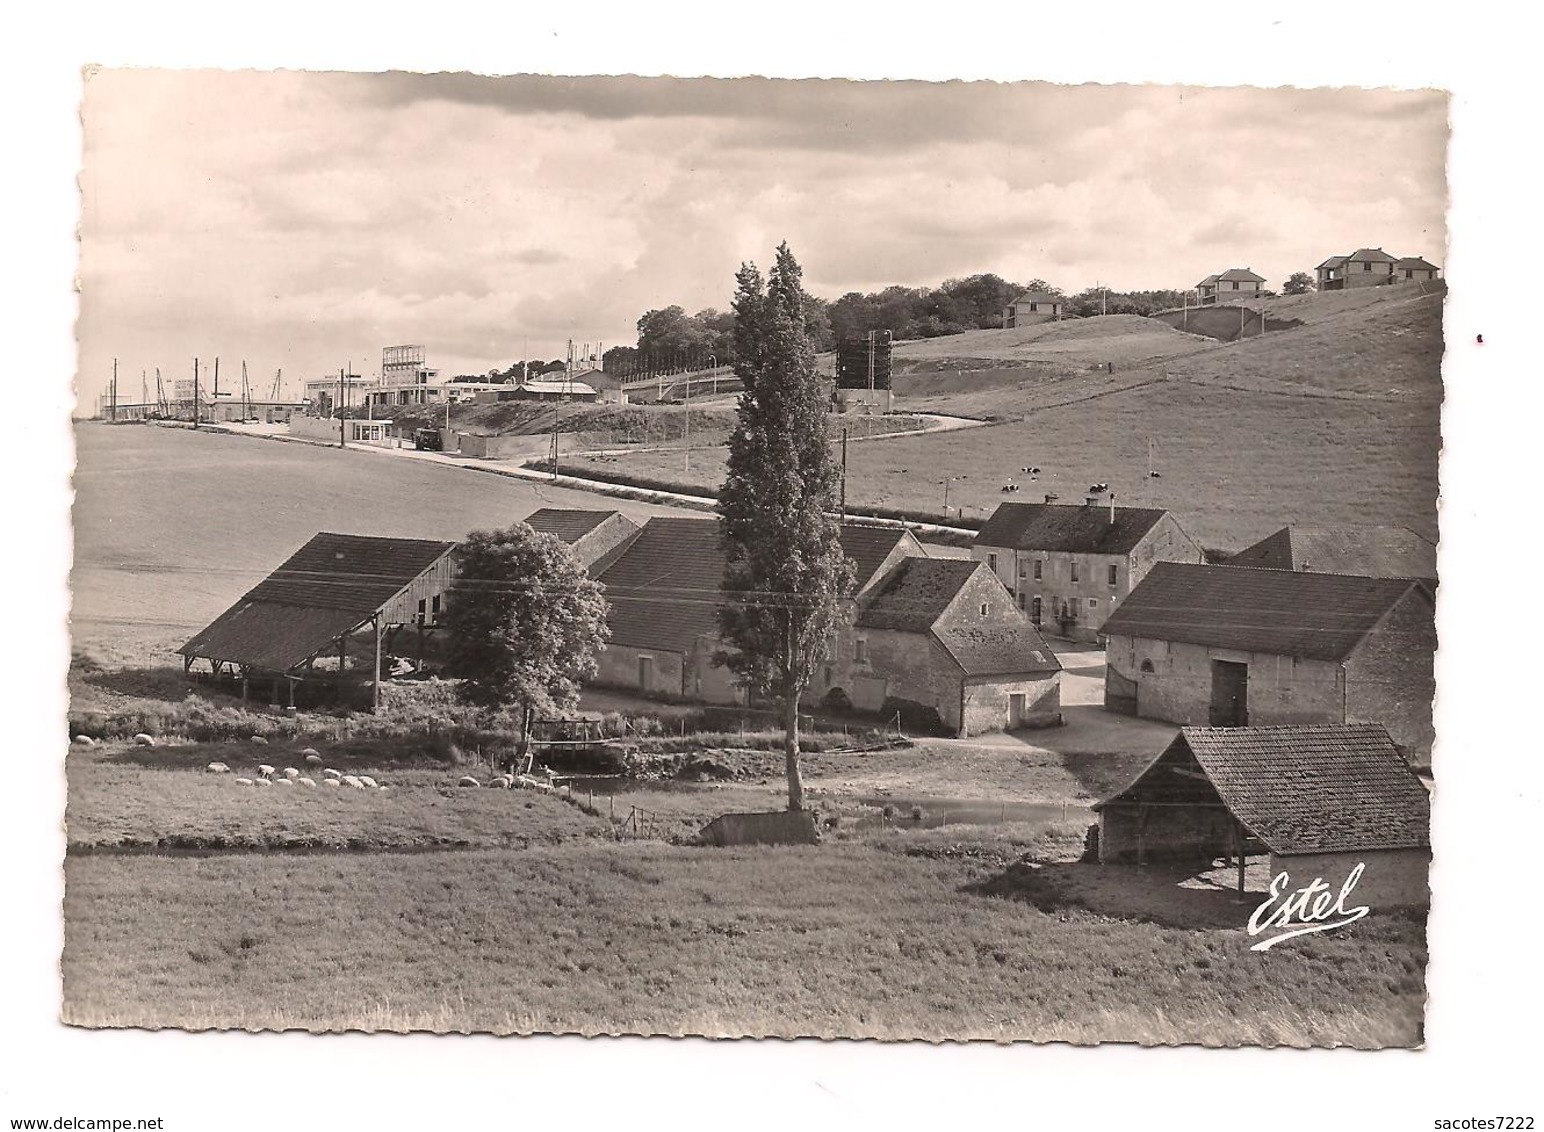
pixel 1168 833
pixel 1392 878
pixel 617 667
pixel 1390 678
pixel 987 706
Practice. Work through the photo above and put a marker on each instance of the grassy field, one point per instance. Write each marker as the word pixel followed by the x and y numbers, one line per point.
pixel 1334 421
pixel 647 938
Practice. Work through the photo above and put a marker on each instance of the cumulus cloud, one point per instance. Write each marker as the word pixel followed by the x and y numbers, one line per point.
pixel 306 220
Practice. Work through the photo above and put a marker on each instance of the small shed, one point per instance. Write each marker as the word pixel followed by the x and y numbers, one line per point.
pixel 1320 800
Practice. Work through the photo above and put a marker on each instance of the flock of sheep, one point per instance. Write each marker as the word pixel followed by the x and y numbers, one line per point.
pixel 291 776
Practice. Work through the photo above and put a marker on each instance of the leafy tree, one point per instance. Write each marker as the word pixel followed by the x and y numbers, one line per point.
pixel 525 622
pixel 1298 283
pixel 785 572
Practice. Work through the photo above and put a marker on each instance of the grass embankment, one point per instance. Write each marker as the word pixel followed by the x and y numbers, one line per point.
pixel 637 937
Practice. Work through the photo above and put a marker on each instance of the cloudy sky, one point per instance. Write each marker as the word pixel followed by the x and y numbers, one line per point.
pixel 305 220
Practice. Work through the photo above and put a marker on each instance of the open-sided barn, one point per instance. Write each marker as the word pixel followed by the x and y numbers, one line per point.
pixel 331 588
pixel 1321 800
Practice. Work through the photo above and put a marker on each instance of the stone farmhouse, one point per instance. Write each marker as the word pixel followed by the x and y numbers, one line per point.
pixel 964 655
pixel 1232 285
pixel 1032 307
pixel 942 636
pixel 1321 800
pixel 1372 267
pixel 594 537
pixel 1233 646
pixel 1368 551
pixel 1070 565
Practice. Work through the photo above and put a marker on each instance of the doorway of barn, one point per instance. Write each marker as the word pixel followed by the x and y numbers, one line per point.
pixel 1230 694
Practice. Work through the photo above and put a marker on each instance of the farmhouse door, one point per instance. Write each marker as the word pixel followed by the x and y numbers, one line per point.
pixel 645 673
pixel 1015 710
pixel 1230 694
pixel 1034 612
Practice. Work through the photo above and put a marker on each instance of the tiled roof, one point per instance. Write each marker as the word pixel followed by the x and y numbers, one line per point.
pixel 1369 255
pixel 1333 262
pixel 568 524
pixel 916 592
pixel 1037 297
pixel 1075 528
pixel 349 572
pixel 869 546
pixel 271 636
pixel 1240 275
pixel 1312 789
pixel 1415 263
pixel 1009 649
pixel 1370 551
pixel 1208 281
pixel 1281 612
pixel 664 588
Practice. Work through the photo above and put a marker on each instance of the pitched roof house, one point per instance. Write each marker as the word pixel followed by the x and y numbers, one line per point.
pixel 1320 799
pixel 595 537
pixel 1032 307
pixel 952 646
pixel 1233 645
pixel 1414 267
pixel 1370 267
pixel 1370 551
pixel 333 586
pixel 1070 565
pixel 1234 283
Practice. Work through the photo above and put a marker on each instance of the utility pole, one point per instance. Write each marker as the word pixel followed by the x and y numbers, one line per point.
pixel 687 432
pixel 844 473
pixel 195 391
pixel 160 393
pixel 871 361
pixel 113 398
pixel 214 408
pixel 342 420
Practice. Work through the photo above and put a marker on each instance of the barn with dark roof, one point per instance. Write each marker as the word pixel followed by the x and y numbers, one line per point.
pixel 1371 551
pixel 940 639
pixel 1070 565
pixel 663 592
pixel 1241 646
pixel 335 587
pixel 594 537
pixel 1320 800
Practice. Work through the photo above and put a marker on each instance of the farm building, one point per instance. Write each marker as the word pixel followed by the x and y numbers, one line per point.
pixel 1070 565
pixel 1321 800
pixel 331 590
pixel 1238 646
pixel 663 589
pixel 1233 284
pixel 595 537
pixel 1369 551
pixel 1032 307
pixel 941 638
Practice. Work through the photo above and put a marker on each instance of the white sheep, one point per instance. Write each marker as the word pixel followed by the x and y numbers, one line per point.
pixel 306 782
pixel 350 780
pixel 504 782
pixel 245 782
pixel 291 772
pixel 265 782
pixel 313 759
pixel 265 770
pixel 330 772
pixel 85 740
pixel 260 741
pixel 217 768
pixel 468 780
pixel 331 782
pixel 284 782
pixel 143 740
pixel 309 751
pixel 368 781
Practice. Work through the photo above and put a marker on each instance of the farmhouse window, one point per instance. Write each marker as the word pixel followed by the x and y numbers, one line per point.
pixel 434 605
pixel 983 609
pixel 1021 601
pixel 1235 285
pixel 422 605
pixel 1114 574
pixel 1366 267
pixel 1074 569
pixel 1033 307
pixel 860 650
pixel 991 561
pixel 1093 603
pixel 1038 566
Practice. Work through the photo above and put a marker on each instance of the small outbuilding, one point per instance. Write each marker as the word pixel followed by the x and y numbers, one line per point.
pixel 1320 800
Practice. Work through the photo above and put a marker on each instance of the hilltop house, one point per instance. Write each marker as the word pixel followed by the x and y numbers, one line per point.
pixel 941 640
pixel 1321 800
pixel 1234 284
pixel 1234 646
pixel 1032 307
pixel 594 537
pixel 1070 565
pixel 1367 551
pixel 1365 267
pixel 1413 267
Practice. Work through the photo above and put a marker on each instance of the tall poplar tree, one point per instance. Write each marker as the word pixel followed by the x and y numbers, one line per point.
pixel 785 574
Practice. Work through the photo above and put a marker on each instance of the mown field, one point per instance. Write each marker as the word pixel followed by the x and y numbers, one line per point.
pixel 639 937
pixel 1334 421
